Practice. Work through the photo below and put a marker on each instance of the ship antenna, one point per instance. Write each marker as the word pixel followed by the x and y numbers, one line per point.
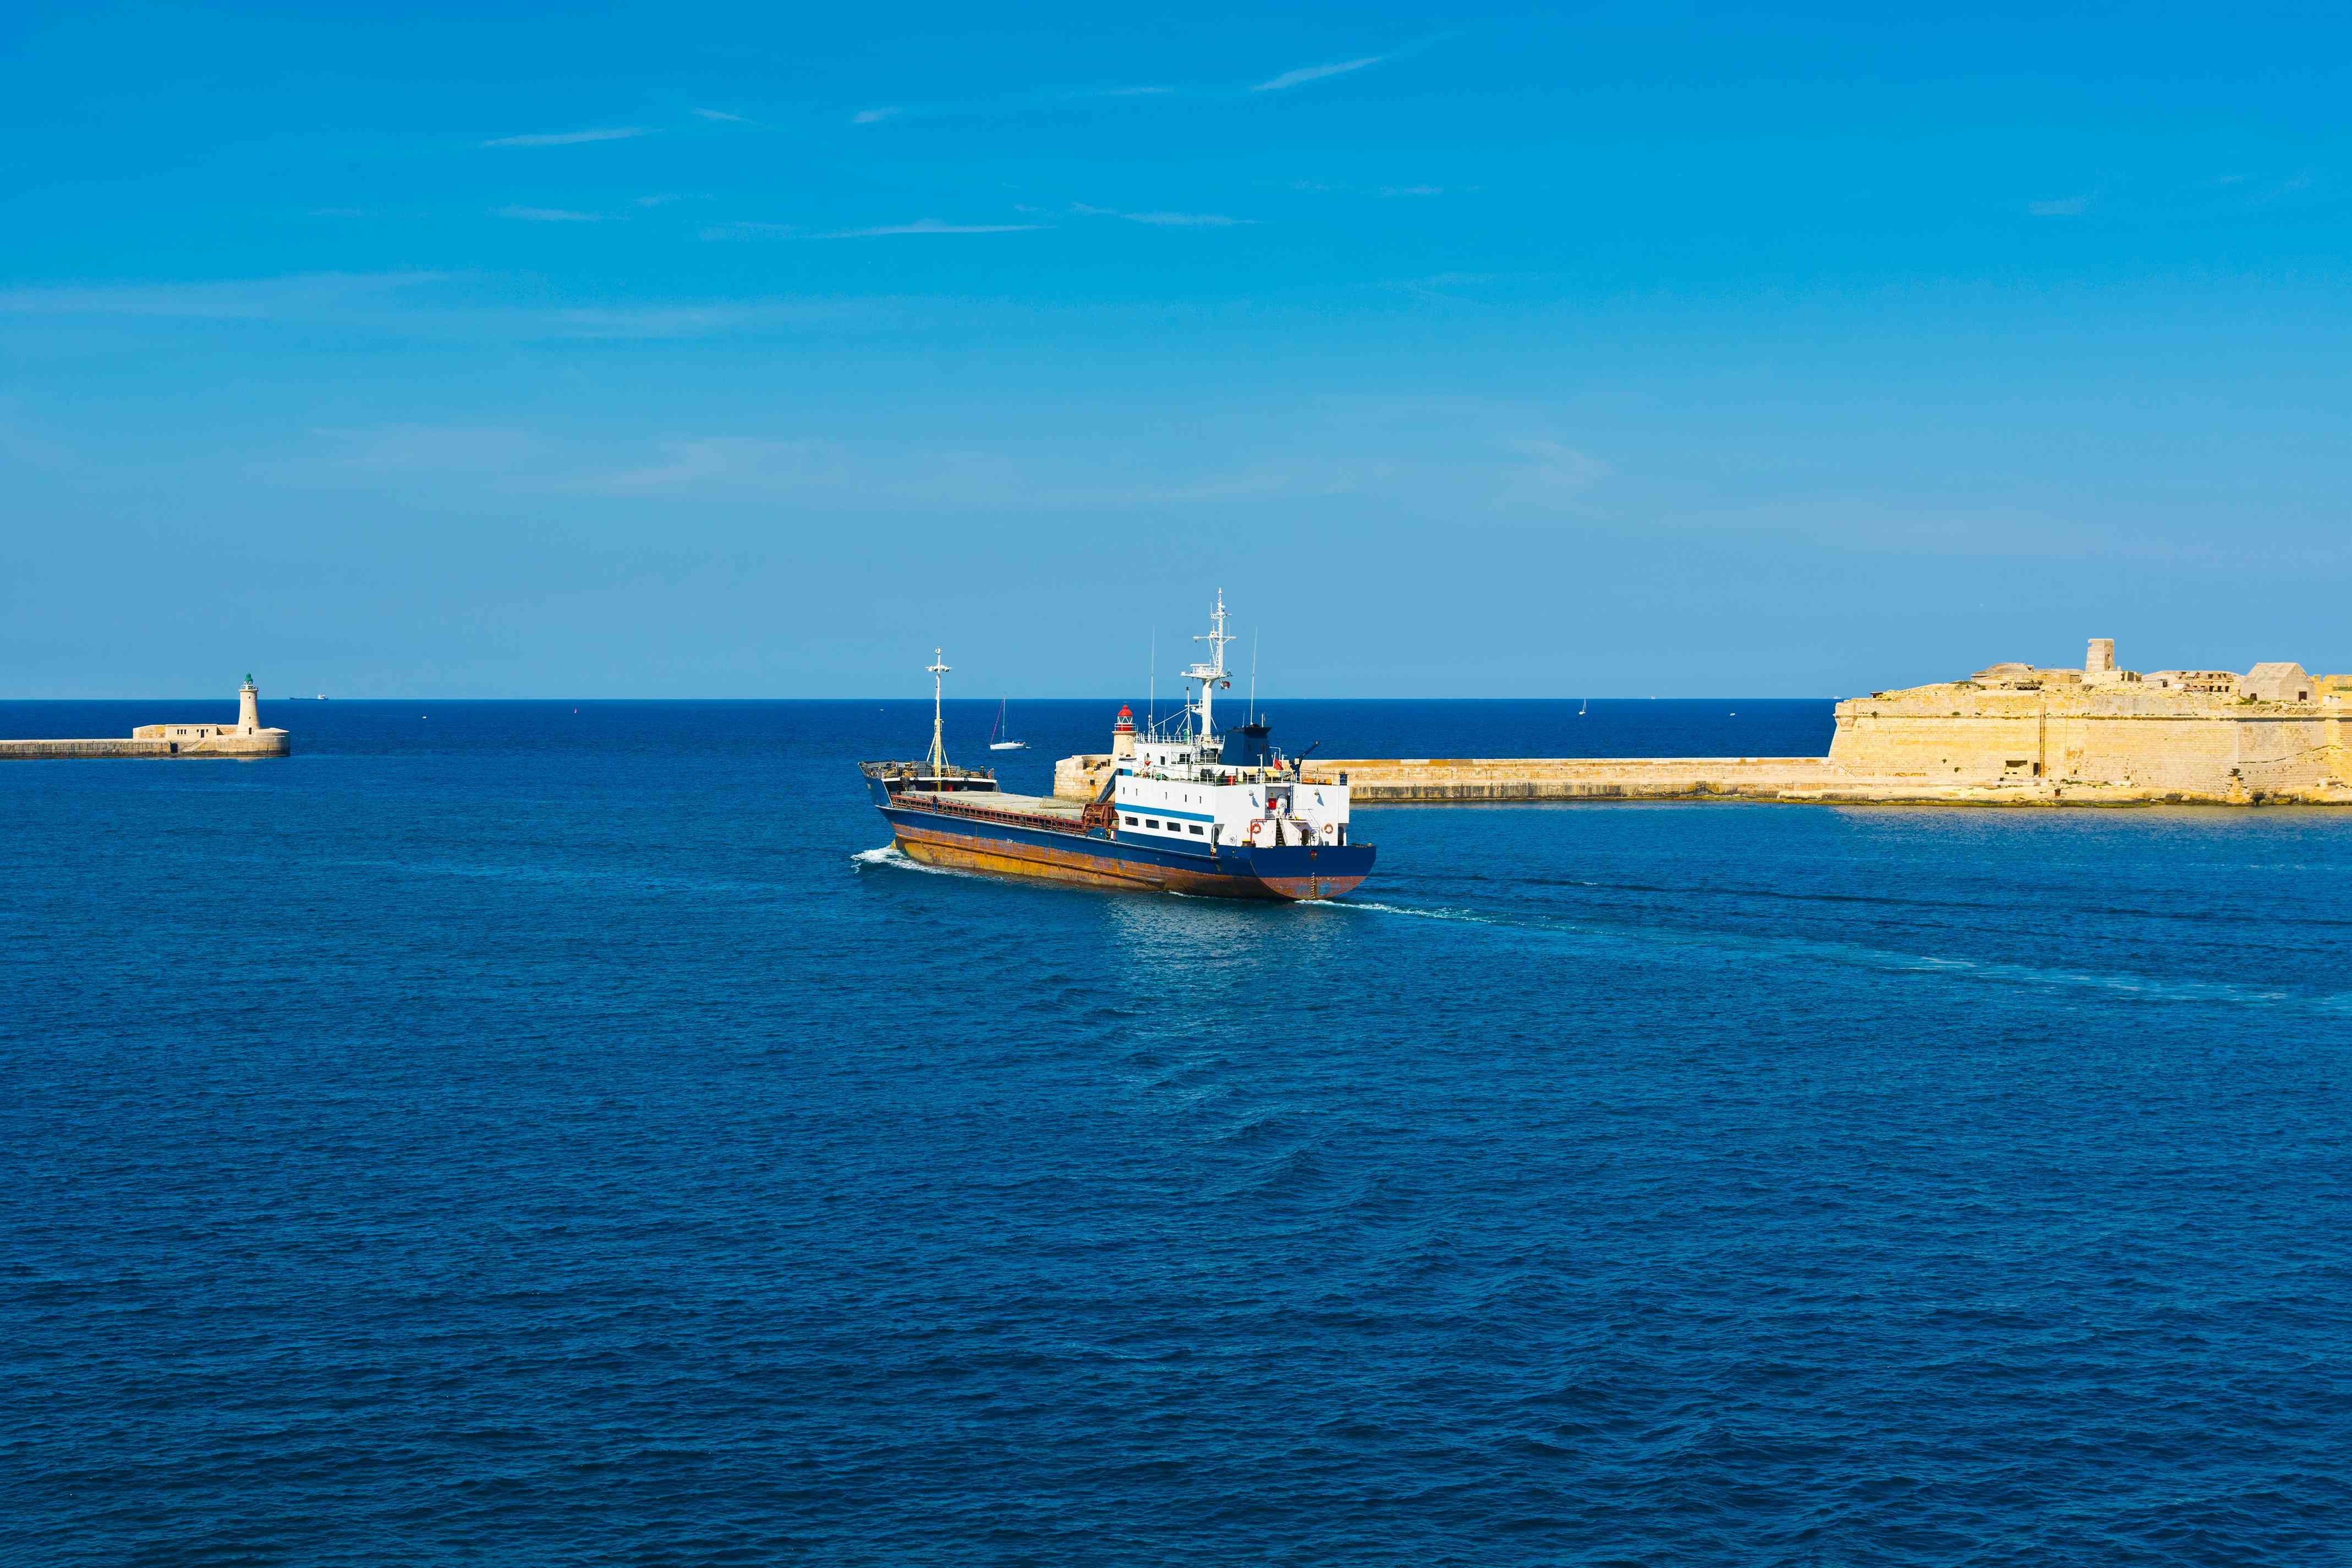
pixel 1253 631
pixel 1210 674
pixel 1151 687
pixel 939 758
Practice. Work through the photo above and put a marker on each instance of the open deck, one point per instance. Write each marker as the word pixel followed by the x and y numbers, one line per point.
pixel 998 805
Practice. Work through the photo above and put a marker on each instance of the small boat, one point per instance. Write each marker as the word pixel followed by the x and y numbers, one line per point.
pixel 1008 743
pixel 1588 702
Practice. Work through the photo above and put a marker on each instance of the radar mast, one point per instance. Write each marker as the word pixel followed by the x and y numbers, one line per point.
pixel 1210 673
pixel 937 762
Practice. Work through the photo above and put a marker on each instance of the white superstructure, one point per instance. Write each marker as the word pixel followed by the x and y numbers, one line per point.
pixel 1177 789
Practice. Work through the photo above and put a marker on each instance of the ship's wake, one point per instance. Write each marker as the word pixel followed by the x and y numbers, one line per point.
pixel 1740 946
pixel 890 855
pixel 1370 907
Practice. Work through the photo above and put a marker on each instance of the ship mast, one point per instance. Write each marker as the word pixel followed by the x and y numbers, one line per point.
pixel 937 762
pixel 1210 673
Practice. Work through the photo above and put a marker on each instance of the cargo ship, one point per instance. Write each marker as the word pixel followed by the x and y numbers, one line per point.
pixel 1174 813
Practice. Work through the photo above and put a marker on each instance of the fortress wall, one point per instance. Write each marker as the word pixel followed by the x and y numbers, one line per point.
pixel 1078 778
pixel 2286 752
pixel 2143 738
pixel 2157 751
pixel 1950 735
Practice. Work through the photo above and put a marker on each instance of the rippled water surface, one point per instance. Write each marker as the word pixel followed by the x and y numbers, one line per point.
pixel 503 1133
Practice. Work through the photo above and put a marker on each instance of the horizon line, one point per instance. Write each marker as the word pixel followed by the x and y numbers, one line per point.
pixel 1723 697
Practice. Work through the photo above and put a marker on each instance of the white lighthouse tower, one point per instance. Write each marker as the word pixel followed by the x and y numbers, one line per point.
pixel 248 708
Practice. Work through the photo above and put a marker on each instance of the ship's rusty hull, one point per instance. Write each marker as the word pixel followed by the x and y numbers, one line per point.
pixel 970 841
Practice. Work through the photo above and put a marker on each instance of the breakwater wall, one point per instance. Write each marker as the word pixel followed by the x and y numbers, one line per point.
pixel 1502 781
pixel 244 739
pixel 267 745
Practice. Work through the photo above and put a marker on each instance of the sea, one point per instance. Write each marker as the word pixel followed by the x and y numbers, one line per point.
pixel 567 1132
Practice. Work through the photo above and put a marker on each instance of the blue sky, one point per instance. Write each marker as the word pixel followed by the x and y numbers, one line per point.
pixel 680 350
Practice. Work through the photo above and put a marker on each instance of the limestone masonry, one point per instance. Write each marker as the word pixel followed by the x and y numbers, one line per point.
pixel 2012 734
pixel 196 738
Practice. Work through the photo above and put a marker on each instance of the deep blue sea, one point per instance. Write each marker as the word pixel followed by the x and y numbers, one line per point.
pixel 531 1132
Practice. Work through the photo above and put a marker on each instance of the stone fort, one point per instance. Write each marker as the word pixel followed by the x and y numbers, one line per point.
pixel 2011 734
pixel 2275 732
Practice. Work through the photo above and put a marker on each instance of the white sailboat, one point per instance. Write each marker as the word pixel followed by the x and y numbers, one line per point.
pixel 1007 744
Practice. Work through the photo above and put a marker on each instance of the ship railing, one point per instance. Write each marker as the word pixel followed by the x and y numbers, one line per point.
pixel 906 775
pixel 1215 775
pixel 947 806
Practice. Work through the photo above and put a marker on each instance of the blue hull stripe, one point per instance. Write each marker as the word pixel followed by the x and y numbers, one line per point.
pixel 1241 864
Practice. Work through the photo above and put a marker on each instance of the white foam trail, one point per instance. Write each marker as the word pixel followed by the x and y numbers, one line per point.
pixel 1456 915
pixel 889 855
pixel 2131 986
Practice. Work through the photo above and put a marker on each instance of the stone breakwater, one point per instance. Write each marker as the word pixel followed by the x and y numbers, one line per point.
pixel 263 745
pixel 196 738
pixel 2013 734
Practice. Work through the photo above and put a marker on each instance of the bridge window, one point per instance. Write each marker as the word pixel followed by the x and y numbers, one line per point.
pixel 1196 830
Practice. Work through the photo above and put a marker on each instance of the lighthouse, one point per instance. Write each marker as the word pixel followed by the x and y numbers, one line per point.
pixel 248 708
pixel 1122 735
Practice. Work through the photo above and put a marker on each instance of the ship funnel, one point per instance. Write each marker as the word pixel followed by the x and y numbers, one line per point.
pixel 1257 744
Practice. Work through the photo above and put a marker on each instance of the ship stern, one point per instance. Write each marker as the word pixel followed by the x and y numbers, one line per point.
pixel 1312 873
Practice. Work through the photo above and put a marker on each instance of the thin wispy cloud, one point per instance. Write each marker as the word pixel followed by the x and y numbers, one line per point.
pixel 2271 190
pixel 873 116
pixel 1445 288
pixel 706 319
pixel 1187 220
pixel 1550 475
pixel 1137 91
pixel 441 308
pixel 721 114
pixel 928 226
pixel 873 473
pixel 568 138
pixel 2062 206
pixel 302 297
pixel 1316 73
pixel 723 231
pixel 549 215
pixel 1385 191
pixel 1164 219
pixel 751 231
